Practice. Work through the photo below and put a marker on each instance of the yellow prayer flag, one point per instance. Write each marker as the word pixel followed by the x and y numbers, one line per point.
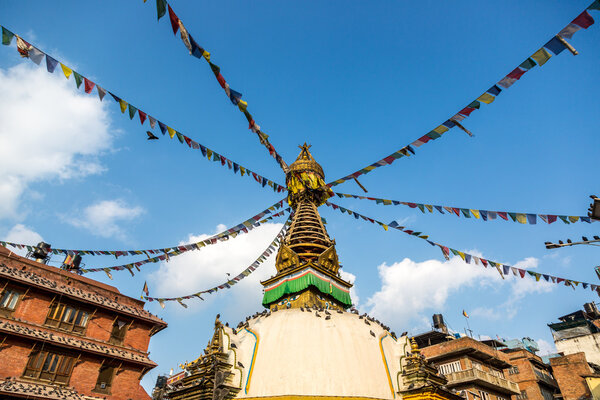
pixel 370 168
pixel 441 129
pixel 384 226
pixel 242 105
pixel 521 218
pixel 66 70
pixel 462 255
pixel 171 131
pixel 541 56
pixel 429 207
pixel 573 219
pixel 206 55
pixel 475 213
pixel 486 98
pixel 387 202
pixel 123 105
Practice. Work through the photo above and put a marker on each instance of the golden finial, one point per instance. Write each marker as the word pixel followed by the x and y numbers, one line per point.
pixel 414 348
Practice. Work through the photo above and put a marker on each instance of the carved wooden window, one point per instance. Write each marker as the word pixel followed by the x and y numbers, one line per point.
pixel 119 329
pixel 49 365
pixel 105 378
pixel 9 297
pixel 67 317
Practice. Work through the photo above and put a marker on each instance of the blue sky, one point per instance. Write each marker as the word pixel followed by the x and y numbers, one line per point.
pixel 357 81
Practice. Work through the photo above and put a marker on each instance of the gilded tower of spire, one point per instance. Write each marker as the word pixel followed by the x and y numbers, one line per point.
pixel 307 262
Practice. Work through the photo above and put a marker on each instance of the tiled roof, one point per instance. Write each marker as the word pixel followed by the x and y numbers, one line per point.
pixel 40 334
pixel 90 297
pixel 39 390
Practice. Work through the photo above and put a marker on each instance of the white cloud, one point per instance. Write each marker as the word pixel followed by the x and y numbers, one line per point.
pixel 103 218
pixel 24 235
pixel 546 347
pixel 351 278
pixel 408 289
pixel 203 269
pixel 48 130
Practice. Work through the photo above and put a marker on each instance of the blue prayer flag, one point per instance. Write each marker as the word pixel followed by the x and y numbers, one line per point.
pixel 555 45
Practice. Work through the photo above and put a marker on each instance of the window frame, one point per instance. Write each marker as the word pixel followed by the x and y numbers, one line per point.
pixel 50 365
pixel 450 367
pixel 116 337
pixel 483 395
pixel 6 310
pixel 113 370
pixel 64 316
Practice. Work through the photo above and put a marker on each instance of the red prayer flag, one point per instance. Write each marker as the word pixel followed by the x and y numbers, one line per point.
pixel 424 139
pixel 188 141
pixel 516 73
pixel 484 262
pixel 552 218
pixel 502 215
pixel 221 80
pixel 456 211
pixel 174 20
pixel 521 272
pixel 389 159
pixel 89 85
pixel 465 111
pixel 583 20
pixel 559 280
pixel 142 116
pixel 223 160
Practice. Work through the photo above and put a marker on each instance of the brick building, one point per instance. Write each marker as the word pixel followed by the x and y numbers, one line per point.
pixel 534 377
pixel 65 336
pixel 473 368
pixel 576 378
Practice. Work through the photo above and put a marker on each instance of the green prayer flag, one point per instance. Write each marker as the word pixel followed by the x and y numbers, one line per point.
pixel 78 79
pixel 433 135
pixel 161 8
pixel 466 212
pixel 6 36
pixel 179 136
pixel 132 111
pixel 595 5
pixel 513 216
pixel 475 104
pixel 527 64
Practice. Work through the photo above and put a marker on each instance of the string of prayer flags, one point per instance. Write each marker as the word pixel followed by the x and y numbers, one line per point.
pixel 233 281
pixel 484 215
pixel 26 51
pixel 248 224
pixel 502 269
pixel 172 252
pixel 234 96
pixel 554 46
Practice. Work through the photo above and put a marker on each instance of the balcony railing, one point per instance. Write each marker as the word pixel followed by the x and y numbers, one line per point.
pixel 484 377
pixel 545 378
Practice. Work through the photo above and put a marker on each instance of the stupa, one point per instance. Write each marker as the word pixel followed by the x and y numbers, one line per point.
pixel 308 343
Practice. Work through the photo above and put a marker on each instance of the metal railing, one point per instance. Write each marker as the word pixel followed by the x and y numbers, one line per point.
pixel 476 374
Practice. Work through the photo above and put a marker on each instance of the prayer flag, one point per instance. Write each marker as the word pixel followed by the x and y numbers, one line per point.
pixel 132 111
pixel 88 85
pixel 51 64
pixel 465 314
pixel 163 128
pixel 152 121
pixel 78 79
pixel 541 56
pixel 101 92
pixel 197 51
pixel 23 47
pixel 475 104
pixel 161 9
pixel 494 90
pixel 584 20
pixel 527 64
pixel 486 98
pixel 185 38
pixel 174 20
pixel 36 55
pixel 555 46
pixel 507 82
pixel 466 111
pixel 66 70
pixel 569 30
pixel 6 36
pixel 142 116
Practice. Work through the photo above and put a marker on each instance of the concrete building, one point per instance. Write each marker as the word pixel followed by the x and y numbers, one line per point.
pixel 579 332
pixel 65 336
pixel 473 368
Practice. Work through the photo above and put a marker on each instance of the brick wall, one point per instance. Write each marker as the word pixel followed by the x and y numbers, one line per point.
pixel 33 308
pixel 568 371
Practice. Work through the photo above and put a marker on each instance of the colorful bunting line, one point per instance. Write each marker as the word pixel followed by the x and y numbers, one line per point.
pixel 484 215
pixel 234 96
pixel 26 50
pixel 242 227
pixel 174 251
pixel 553 47
pixel 502 269
pixel 232 282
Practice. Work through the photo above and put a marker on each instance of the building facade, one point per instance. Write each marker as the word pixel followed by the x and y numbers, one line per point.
pixel 579 332
pixel 474 369
pixel 534 377
pixel 65 336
